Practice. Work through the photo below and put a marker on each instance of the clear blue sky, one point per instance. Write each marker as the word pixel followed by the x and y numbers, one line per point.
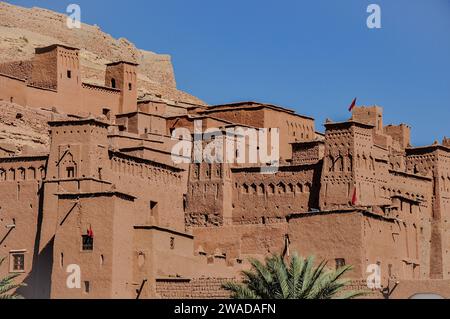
pixel 312 56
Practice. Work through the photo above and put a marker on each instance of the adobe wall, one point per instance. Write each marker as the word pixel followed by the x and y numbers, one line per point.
pixel 400 133
pixel 108 266
pixel 96 98
pixel 434 161
pixel 42 97
pixel 372 115
pixel 44 72
pixel 292 128
pixel 150 182
pixel 17 69
pixel 166 254
pixel 143 123
pixel 123 76
pixel 201 288
pixel 337 181
pixel 20 183
pixel 161 108
pixel 307 152
pixel 13 89
pixel 206 194
pixel 238 242
pixel 268 198
pixel 412 203
pixel 53 79
pixel 329 236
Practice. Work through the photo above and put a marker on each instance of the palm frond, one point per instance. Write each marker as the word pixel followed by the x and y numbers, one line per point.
pixel 298 278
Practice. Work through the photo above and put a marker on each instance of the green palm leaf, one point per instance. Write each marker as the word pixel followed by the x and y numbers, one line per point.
pixel 8 287
pixel 299 278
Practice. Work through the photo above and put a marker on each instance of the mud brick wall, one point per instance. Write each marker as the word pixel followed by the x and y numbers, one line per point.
pixel 199 288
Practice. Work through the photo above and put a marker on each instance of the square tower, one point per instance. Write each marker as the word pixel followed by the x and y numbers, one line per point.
pixel 372 115
pixel 122 75
pixel 56 67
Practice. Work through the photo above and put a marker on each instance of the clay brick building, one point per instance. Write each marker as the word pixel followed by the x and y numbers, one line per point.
pixel 359 194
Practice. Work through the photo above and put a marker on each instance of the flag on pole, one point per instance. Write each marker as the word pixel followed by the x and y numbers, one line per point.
pixel 350 108
pixel 90 232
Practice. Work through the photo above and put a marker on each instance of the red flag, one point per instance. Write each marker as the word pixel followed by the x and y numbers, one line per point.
pixel 90 232
pixel 354 197
pixel 350 108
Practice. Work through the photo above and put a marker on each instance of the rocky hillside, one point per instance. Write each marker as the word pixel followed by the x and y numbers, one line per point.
pixel 24 130
pixel 23 29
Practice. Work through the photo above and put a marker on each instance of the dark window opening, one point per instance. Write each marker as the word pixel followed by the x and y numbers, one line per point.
pixel 340 262
pixel 172 242
pixel 153 208
pixel 87 287
pixel 18 262
pixel 70 172
pixel 107 112
pixel 69 74
pixel 88 243
pixel 113 83
pixel 130 86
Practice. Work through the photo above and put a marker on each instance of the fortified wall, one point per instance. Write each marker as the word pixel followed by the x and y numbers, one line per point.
pixel 110 196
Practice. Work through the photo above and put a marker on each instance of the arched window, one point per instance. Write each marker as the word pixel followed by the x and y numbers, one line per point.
pixel 290 188
pixel 261 189
pixel 330 163
pixel 271 189
pixel 31 173
pixel 281 188
pixel 21 174
pixel 307 187
pixel 339 164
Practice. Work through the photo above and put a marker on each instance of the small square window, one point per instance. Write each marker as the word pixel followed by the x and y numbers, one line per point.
pixel 17 262
pixel 69 74
pixel 340 262
pixel 88 243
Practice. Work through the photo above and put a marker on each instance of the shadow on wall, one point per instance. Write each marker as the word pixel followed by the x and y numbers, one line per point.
pixel 38 281
pixel 314 194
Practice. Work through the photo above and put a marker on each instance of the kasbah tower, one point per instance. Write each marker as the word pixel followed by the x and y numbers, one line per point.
pixel 167 230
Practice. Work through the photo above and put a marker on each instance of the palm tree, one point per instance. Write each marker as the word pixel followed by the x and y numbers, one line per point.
pixel 7 286
pixel 297 279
